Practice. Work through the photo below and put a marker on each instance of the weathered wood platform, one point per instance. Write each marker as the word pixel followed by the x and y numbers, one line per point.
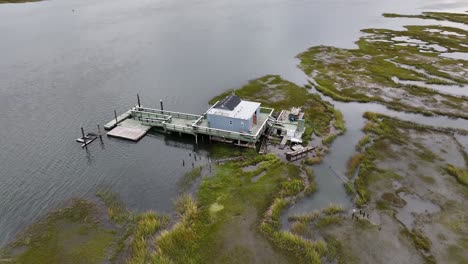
pixel 129 129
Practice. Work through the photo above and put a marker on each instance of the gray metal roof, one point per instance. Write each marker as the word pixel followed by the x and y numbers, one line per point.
pixel 244 110
pixel 228 103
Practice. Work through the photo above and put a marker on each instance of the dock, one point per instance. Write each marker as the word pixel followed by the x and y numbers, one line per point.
pixel 230 120
pixel 136 122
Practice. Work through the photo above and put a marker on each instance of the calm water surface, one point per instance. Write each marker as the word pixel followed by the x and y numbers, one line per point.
pixel 70 63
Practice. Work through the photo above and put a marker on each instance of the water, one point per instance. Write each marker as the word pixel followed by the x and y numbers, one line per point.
pixel 444 89
pixel 61 69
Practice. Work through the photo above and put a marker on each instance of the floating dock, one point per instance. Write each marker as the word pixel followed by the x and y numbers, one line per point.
pixel 129 129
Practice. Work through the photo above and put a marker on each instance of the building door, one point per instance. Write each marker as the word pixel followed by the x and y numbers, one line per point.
pixel 255 118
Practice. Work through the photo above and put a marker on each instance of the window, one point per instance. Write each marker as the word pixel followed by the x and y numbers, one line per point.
pixel 230 122
pixel 242 124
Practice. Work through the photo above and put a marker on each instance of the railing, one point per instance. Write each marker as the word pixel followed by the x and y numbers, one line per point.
pixel 165 112
pixel 163 118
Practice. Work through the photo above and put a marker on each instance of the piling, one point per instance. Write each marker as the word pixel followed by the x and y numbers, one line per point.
pixel 83 135
pixel 138 99
pixel 115 115
pixel 162 106
pixel 99 131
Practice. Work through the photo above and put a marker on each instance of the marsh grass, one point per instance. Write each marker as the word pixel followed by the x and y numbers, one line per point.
pixel 333 209
pixel 189 177
pixel 312 187
pixel 309 217
pixel 353 164
pixel 116 210
pixel 363 142
pixel 459 173
pixel 338 252
pixel 329 139
pixel 53 239
pixel 375 63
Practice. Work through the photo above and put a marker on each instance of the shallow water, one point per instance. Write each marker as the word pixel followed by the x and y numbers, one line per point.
pixel 456 55
pixel 414 205
pixel 330 186
pixel 445 89
pixel 67 64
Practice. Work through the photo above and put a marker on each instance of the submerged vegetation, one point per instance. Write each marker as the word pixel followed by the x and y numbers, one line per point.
pixel 377 70
pixel 69 235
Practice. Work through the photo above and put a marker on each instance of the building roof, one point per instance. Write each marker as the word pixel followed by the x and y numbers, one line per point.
pixel 228 103
pixel 243 110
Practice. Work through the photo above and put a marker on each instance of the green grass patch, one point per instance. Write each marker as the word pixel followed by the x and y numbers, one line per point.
pixel 353 164
pixel 333 209
pixel 363 142
pixel 459 173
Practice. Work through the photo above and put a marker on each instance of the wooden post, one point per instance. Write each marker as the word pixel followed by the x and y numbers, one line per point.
pixel 84 138
pixel 138 99
pixel 99 131
pixel 162 107
pixel 115 115
pixel 196 139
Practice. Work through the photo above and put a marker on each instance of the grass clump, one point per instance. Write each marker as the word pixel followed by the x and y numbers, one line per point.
pixel 147 224
pixel 116 210
pixel 292 187
pixel 329 139
pixel 180 244
pixel 333 209
pixel 339 122
pixel 301 229
pixel 353 164
pixel 312 187
pixel 363 142
pixel 326 221
pixel 305 217
pixel 459 173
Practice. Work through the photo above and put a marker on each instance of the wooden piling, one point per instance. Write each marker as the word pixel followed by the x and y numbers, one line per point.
pixel 115 115
pixel 138 99
pixel 99 131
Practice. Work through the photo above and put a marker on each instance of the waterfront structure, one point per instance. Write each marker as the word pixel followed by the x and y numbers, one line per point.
pixel 234 114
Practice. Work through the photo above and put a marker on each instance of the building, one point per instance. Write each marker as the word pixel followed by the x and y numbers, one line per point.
pixel 234 114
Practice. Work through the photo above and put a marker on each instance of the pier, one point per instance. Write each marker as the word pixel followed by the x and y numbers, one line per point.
pixel 136 122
